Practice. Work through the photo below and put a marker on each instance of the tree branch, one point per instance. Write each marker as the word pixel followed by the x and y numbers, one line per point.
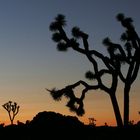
pixel 75 104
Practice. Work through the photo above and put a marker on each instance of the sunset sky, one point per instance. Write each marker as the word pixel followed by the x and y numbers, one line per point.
pixel 30 62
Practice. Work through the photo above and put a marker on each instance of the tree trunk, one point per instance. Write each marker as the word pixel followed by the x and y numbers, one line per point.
pixel 116 110
pixel 126 104
pixel 11 122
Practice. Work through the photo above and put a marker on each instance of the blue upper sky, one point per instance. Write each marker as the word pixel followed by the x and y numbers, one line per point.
pixel 29 61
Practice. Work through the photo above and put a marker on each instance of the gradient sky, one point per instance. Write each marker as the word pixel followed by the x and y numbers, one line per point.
pixel 29 61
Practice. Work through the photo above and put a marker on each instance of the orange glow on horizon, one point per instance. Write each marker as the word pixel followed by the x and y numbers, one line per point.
pixel 97 105
pixel 100 121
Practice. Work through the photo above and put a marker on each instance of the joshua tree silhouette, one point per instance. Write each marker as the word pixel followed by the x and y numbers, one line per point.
pixel 118 56
pixel 92 121
pixel 12 109
pixel 132 48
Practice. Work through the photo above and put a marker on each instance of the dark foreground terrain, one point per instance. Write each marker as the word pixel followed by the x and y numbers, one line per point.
pixel 53 126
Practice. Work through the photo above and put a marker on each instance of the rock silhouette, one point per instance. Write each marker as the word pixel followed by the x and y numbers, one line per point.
pixel 52 120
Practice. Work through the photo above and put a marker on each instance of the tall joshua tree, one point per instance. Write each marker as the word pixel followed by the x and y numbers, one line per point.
pixel 12 109
pixel 132 48
pixel 112 65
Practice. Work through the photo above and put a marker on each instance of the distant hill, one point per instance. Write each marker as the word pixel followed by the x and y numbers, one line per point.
pixel 55 120
pixel 56 126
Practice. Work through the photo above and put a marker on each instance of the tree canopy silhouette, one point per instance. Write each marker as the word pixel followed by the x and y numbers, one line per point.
pixel 118 56
pixel 12 109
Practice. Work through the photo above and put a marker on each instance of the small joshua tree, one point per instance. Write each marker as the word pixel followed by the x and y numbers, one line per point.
pixel 92 121
pixel 12 109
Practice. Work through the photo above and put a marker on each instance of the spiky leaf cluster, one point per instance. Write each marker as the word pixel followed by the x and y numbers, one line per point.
pixel 9 106
pixel 125 21
pixel 90 75
pixel 56 37
pixel 77 33
pixel 59 21
pixel 75 104
pixel 56 94
pixel 62 46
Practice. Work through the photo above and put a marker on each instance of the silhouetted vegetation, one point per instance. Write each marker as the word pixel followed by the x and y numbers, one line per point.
pixel 45 125
pixel 92 121
pixel 51 125
pixel 12 109
pixel 117 57
pixel 132 52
